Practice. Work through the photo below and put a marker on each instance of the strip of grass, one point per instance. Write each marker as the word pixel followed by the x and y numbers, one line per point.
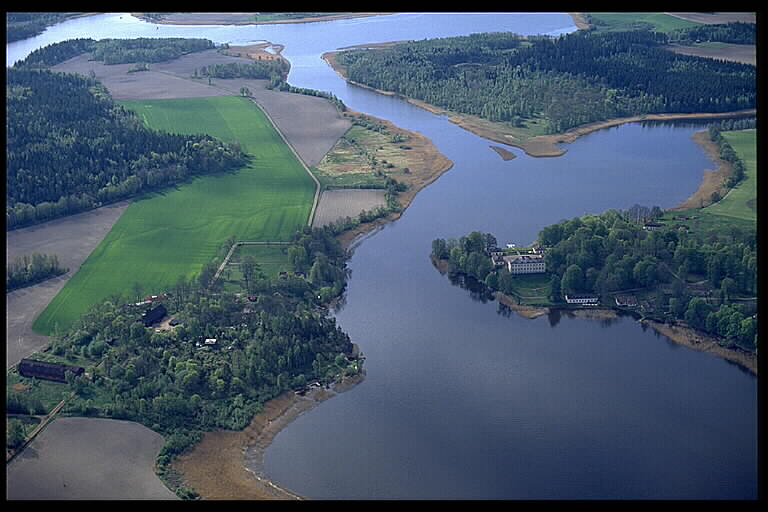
pixel 617 21
pixel 740 202
pixel 165 235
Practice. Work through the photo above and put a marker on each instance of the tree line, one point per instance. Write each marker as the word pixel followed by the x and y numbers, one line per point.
pixel 733 33
pixel 262 69
pixel 28 270
pixel 610 253
pixel 568 80
pixel 274 339
pixel 23 25
pixel 115 51
pixel 70 148
pixel 729 155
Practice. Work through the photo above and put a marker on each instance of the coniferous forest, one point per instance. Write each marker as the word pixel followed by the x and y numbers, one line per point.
pixel 70 148
pixel 569 80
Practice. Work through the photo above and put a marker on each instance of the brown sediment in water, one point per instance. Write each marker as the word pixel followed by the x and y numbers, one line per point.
pixel 228 465
pixel 713 180
pixel 696 340
pixel 504 153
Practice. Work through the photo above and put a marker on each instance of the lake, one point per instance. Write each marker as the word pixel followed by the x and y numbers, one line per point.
pixel 463 399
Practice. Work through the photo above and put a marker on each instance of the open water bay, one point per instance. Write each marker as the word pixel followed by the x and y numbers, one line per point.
pixel 463 399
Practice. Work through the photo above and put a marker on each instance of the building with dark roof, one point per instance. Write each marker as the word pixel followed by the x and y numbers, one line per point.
pixel 48 371
pixel 153 315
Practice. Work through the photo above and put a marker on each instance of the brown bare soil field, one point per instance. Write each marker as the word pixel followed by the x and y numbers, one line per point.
pixel 88 459
pixel 340 203
pixel 311 124
pixel 72 239
pixel 743 53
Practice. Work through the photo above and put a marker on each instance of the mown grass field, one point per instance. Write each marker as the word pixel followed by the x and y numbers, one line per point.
pixel 741 201
pixel 272 259
pixel 632 20
pixel 173 233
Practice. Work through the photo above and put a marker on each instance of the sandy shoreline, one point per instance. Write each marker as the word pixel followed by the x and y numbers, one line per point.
pixel 211 18
pixel 229 465
pixel 678 333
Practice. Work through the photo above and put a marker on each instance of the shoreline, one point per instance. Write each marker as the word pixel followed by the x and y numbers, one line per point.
pixel 428 166
pixel 678 333
pixel 229 465
pixel 540 145
pixel 202 21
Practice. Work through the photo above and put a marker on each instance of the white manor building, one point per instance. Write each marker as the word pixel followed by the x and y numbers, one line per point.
pixel 526 264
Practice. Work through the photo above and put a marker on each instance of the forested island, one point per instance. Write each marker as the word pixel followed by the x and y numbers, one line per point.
pixel 72 148
pixel 546 85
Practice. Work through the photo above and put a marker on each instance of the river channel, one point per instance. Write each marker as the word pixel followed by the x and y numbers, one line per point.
pixel 463 399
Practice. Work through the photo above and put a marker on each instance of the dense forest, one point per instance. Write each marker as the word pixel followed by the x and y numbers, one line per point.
pixel 734 33
pixel 115 51
pixel 568 80
pixel 70 147
pixel 22 25
pixel 28 270
pixel 612 253
pixel 262 69
pixel 274 339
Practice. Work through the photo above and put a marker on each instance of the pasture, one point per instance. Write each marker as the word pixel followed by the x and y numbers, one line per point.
pixel 172 233
pixel 740 202
pixel 659 21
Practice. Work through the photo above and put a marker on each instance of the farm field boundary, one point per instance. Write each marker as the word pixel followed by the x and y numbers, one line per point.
pixel 167 235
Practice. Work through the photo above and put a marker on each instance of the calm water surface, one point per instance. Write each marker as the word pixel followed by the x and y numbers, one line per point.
pixel 463 399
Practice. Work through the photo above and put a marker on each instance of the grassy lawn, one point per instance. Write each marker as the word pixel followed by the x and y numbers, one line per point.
pixel 175 232
pixel 609 21
pixel 272 259
pixel 740 202
pixel 532 288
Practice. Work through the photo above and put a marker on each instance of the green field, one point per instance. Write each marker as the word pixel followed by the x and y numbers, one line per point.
pixel 173 233
pixel 659 22
pixel 272 259
pixel 740 202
